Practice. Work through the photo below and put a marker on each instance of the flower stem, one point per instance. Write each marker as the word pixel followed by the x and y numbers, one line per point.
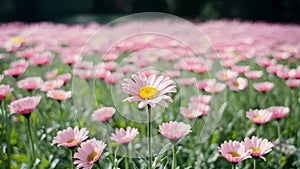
pixel 279 142
pixel 31 140
pixel 127 157
pixel 7 132
pixel 174 157
pixel 108 143
pixel 254 163
pixel 149 137
pixel 71 158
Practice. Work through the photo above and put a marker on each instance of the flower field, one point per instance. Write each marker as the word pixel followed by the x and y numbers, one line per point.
pixel 161 94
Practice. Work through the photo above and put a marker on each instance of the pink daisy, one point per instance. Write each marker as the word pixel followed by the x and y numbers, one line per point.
pixel 30 83
pixel 4 91
pixel 113 78
pixel 51 84
pixel 51 74
pixel 258 147
pixel 150 90
pixel 124 136
pixel 263 86
pixel 292 83
pixel 70 137
pixel 234 151
pixel 25 105
pixel 186 81
pixel 203 99
pixel 44 58
pixel 15 72
pixel 259 116
pixel 238 84
pixel 278 112
pixel 103 114
pixel 214 87
pixel 64 77
pixel 89 153
pixel 59 95
pixel 195 110
pixel 240 69
pixel 174 130
pixel 254 74
pixel 227 75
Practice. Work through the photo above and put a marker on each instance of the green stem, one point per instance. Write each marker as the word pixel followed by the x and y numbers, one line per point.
pixel 174 157
pixel 258 130
pixel 108 143
pixel 71 158
pixel 254 163
pixel 31 140
pixel 2 156
pixel 7 120
pixel 127 157
pixel 149 137
pixel 279 142
pixel 233 166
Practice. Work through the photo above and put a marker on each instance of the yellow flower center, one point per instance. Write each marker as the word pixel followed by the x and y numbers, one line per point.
pixel 255 149
pixel 17 40
pixel 59 96
pixel 225 77
pixel 234 154
pixel 215 89
pixel 50 86
pixel 148 92
pixel 257 118
pixel 236 84
pixel 72 141
pixel 92 156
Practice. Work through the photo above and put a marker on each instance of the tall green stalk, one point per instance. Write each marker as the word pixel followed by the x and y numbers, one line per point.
pixel 174 157
pixel 127 157
pixel 254 163
pixel 71 159
pixel 149 132
pixel 279 142
pixel 31 140
pixel 7 122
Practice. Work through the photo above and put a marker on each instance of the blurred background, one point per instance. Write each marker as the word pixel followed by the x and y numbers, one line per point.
pixel 80 11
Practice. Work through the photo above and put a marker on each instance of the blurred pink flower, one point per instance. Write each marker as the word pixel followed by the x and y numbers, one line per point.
pixel 103 114
pixel 203 99
pixel 4 91
pixel 238 84
pixel 278 112
pixel 64 77
pixel 254 74
pixel 19 63
pixel 59 95
pixel 226 75
pixel 70 137
pixel 86 74
pixel 89 153
pixel 44 58
pixel 25 105
pixel 234 151
pixel 52 74
pixel 204 83
pixel 194 110
pixel 51 84
pixel 174 131
pixel 263 86
pixel 124 136
pixel 264 62
pixel 149 90
pixel 113 78
pixel 71 59
pixel 214 87
pixel 259 116
pixel 110 65
pixel 15 72
pixel 186 81
pixel 292 83
pixel 258 146
pixel 30 83
pixel 240 69
pixel 274 68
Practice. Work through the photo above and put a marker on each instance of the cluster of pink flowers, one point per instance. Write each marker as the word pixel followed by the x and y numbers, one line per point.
pixel 235 151
pixel 261 116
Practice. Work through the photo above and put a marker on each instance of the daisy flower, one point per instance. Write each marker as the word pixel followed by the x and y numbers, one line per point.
pixel 25 105
pixel 263 86
pixel 174 130
pixel 4 91
pixel 70 137
pixel 30 83
pixel 59 95
pixel 238 84
pixel 234 151
pixel 278 112
pixel 258 146
pixel 51 84
pixel 150 90
pixel 124 136
pixel 103 114
pixel 259 116
pixel 195 110
pixel 89 153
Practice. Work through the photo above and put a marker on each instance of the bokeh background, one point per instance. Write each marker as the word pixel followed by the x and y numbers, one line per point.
pixel 80 11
